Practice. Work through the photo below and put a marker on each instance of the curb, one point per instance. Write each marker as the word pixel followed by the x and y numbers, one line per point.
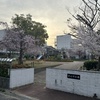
pixel 16 95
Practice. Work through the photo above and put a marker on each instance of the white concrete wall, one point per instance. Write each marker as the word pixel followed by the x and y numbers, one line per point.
pixel 88 85
pixel 20 77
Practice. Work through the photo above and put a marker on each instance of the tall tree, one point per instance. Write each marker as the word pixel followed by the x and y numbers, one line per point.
pixel 30 27
pixel 16 40
pixel 87 30
pixel 24 35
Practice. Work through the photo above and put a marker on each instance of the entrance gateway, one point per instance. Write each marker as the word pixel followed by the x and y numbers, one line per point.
pixel 86 83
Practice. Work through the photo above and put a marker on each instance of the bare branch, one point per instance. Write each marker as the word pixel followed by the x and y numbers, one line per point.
pixel 71 14
pixel 86 17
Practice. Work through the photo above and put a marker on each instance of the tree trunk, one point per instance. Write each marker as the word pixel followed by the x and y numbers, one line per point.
pixel 20 60
pixel 9 54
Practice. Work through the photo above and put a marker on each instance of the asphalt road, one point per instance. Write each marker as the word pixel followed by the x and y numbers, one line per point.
pixel 7 97
pixel 11 95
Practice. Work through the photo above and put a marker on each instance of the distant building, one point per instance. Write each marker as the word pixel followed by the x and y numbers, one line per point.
pixel 51 51
pixel 69 47
pixel 3 51
pixel 63 41
pixel 2 34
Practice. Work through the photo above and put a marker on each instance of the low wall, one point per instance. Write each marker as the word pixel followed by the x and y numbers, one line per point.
pixel 4 82
pixel 78 82
pixel 20 77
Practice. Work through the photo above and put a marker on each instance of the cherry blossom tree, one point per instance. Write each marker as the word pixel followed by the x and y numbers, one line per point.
pixel 15 39
pixel 87 30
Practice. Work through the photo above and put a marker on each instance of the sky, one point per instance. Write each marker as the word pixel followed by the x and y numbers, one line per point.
pixel 52 13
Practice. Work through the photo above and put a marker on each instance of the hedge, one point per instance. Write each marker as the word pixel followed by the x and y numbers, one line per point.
pixel 4 68
pixel 89 65
pixel 16 66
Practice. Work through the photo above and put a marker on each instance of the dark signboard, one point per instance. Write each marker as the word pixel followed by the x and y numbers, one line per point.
pixel 73 76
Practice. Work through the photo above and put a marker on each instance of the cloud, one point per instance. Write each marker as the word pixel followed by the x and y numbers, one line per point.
pixel 52 13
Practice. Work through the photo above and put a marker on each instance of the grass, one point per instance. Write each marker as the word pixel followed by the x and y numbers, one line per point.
pixel 39 63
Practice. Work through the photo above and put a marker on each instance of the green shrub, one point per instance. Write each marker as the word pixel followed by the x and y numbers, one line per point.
pixel 4 68
pixel 89 65
pixel 29 56
pixel 66 60
pixel 51 58
pixel 59 60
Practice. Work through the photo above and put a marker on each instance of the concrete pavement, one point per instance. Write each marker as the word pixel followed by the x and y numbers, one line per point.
pixel 71 65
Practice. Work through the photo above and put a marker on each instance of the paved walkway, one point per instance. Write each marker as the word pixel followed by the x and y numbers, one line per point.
pixel 40 92
pixel 71 65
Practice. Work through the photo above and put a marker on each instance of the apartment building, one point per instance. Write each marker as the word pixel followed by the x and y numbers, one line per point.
pixel 69 46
